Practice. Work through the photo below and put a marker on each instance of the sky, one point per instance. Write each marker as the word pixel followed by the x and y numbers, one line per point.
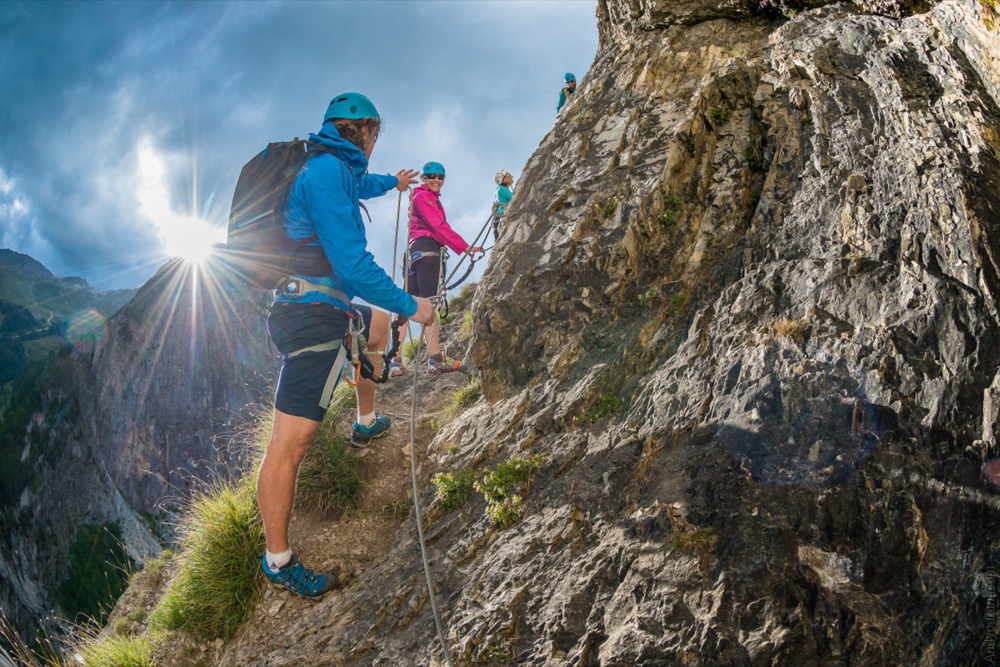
pixel 125 124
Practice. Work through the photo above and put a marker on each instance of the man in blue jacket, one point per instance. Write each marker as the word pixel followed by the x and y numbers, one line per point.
pixel 311 315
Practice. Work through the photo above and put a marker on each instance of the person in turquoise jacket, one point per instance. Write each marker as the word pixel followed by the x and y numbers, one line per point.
pixel 311 315
pixel 567 90
pixel 504 181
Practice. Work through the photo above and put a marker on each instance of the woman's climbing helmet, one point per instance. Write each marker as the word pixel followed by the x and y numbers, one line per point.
pixel 352 106
pixel 433 168
pixel 569 77
pixel 499 177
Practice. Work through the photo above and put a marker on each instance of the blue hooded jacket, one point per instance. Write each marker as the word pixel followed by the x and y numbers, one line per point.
pixel 324 202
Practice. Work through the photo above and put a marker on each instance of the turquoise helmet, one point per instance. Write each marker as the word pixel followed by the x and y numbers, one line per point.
pixel 569 77
pixel 352 106
pixel 434 168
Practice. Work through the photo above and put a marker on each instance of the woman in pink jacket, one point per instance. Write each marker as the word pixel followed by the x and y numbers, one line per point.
pixel 429 232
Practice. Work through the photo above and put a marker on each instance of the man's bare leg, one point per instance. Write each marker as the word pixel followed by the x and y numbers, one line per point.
pixel 291 438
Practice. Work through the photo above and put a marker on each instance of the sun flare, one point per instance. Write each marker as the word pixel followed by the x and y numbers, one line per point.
pixel 186 236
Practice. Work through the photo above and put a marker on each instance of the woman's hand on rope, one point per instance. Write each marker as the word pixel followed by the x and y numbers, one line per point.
pixel 425 311
pixel 405 178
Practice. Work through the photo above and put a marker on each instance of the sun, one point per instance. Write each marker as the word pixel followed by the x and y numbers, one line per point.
pixel 186 236
pixel 190 238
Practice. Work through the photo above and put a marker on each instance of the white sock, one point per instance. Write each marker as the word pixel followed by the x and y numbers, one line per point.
pixel 276 561
pixel 366 420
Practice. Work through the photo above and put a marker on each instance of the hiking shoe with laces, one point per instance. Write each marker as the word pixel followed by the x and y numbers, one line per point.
pixel 362 435
pixel 395 369
pixel 446 365
pixel 299 579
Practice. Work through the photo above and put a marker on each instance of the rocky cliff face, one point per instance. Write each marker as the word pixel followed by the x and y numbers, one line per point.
pixel 182 364
pixel 745 306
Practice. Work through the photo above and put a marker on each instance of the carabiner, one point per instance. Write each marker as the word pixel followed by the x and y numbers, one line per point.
pixel 352 373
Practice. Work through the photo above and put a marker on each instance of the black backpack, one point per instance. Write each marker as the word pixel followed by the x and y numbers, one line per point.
pixel 257 247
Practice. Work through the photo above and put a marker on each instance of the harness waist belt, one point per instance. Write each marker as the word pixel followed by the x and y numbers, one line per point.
pixel 416 255
pixel 294 286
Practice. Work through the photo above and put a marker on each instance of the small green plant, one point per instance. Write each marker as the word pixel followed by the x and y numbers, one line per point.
pixel 675 305
pixel 605 405
pixel 454 488
pixel 791 329
pixel 452 449
pixel 503 506
pixel 806 119
pixel 218 584
pixel 500 653
pixel 463 397
pixel 701 541
pixel 790 12
pixel 670 212
pixel 991 11
pixel 719 116
pixel 648 297
pixel 740 53
pixel 752 154
pixel 606 208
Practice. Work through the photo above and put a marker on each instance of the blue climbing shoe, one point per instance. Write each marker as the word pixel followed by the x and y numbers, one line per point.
pixel 361 436
pixel 299 579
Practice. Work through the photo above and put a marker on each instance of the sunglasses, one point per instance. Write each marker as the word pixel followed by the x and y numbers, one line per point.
pixel 434 177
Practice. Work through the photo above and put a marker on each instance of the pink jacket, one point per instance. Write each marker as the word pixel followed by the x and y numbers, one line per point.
pixel 427 218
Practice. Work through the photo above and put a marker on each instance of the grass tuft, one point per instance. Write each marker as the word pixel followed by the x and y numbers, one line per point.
pixel 703 541
pixel 719 116
pixel 330 476
pixel 218 584
pixel 412 349
pixel 670 213
pixel 115 651
pixel 794 330
pixel 466 328
pixel 603 406
pixel 463 397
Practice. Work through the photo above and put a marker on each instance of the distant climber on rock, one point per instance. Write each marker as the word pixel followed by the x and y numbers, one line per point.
pixel 504 181
pixel 429 234
pixel 312 313
pixel 567 90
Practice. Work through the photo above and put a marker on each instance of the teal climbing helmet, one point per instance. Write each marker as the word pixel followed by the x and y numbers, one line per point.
pixel 433 168
pixel 352 106
pixel 569 77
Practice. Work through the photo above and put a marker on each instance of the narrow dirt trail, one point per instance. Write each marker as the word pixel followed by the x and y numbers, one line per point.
pixel 346 543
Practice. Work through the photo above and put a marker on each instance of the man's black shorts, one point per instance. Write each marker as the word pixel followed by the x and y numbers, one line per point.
pixel 306 381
